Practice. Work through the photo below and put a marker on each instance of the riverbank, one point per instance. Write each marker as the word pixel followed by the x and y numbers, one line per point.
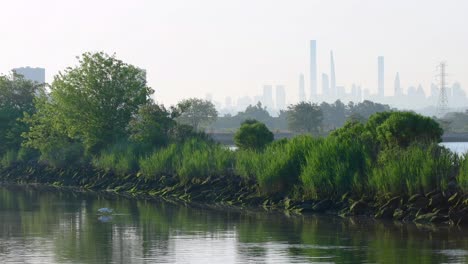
pixel 449 207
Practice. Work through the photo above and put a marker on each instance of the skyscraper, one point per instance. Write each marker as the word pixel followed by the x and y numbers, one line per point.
pixel 313 69
pixel 267 97
pixel 32 74
pixel 302 96
pixel 332 75
pixel 280 97
pixel 381 88
pixel 397 85
pixel 325 86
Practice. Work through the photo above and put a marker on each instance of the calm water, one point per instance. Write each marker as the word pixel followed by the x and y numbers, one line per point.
pixel 458 147
pixel 44 226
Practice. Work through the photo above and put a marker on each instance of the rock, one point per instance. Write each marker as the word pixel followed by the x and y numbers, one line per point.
pixel 424 218
pixel 323 206
pixel 439 219
pixel 419 202
pixel 436 200
pixel 358 208
pixel 399 214
pixel 385 212
pixel 392 203
pixel 432 193
pixel 453 200
pixel 452 185
pixel 414 198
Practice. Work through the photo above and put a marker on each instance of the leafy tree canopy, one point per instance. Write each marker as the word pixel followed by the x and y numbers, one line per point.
pixel 16 98
pixel 253 135
pixel 196 113
pixel 91 103
pixel 304 117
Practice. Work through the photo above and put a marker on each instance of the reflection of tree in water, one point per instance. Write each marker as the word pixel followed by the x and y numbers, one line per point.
pixel 149 230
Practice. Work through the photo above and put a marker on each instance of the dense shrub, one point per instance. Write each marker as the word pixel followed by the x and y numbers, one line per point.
pixel 282 163
pixel 160 162
pixel 416 169
pixel 253 135
pixel 121 158
pixel 193 158
pixel 334 168
pixel 8 158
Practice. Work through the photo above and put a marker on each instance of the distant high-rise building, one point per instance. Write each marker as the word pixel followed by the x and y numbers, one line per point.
pixel 267 97
pixel 332 75
pixel 280 97
pixel 313 69
pixel 32 74
pixel 397 86
pixel 325 86
pixel 381 88
pixel 209 97
pixel 302 96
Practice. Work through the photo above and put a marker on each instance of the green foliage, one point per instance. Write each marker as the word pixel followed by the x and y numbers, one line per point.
pixel 416 169
pixel 16 98
pixel 304 117
pixel 160 162
pixel 248 163
pixel 283 162
pixel 91 103
pixel 403 128
pixel 462 177
pixel 8 158
pixel 335 167
pixel 64 156
pixel 193 159
pixel 196 112
pixel 120 158
pixel 151 126
pixel 253 135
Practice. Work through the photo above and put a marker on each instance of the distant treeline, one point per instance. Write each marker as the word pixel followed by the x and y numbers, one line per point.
pixel 328 116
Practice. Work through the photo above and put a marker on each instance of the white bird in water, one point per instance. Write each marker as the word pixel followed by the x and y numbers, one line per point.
pixel 105 210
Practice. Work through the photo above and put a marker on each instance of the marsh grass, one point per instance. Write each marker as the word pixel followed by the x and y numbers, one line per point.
pixel 416 169
pixel 334 168
pixel 194 158
pixel 121 158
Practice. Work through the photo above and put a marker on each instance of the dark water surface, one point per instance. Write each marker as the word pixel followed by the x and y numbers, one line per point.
pixel 49 226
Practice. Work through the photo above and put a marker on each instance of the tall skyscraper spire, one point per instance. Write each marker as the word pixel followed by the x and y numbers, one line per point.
pixel 381 88
pixel 302 96
pixel 397 85
pixel 332 75
pixel 313 69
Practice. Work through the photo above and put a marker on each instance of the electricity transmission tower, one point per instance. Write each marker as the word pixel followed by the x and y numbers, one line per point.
pixel 442 104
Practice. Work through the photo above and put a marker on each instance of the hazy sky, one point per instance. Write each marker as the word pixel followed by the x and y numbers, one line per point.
pixel 191 48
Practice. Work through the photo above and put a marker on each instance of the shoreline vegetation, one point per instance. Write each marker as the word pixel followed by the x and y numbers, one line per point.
pixel 96 127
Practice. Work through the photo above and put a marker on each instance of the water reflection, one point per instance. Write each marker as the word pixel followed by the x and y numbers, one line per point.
pixel 50 226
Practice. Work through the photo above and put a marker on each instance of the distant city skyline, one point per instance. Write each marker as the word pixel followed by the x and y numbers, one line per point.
pixel 231 49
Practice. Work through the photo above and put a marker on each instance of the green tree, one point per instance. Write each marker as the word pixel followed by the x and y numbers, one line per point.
pixel 151 126
pixel 196 113
pixel 304 117
pixel 93 102
pixel 253 135
pixel 404 128
pixel 16 98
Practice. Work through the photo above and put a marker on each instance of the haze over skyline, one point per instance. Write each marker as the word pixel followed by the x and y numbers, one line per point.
pixel 232 49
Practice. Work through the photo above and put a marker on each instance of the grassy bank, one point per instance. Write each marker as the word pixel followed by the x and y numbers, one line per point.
pixel 357 169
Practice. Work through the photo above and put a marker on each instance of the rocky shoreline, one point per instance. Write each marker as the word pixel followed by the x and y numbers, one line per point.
pixel 448 207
